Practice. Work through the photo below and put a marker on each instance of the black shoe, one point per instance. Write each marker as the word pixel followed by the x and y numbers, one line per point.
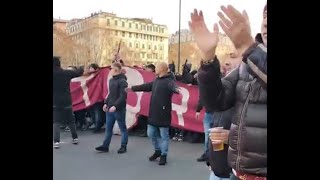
pixel 202 158
pixel 163 160
pixel 122 150
pixel 102 149
pixel 155 155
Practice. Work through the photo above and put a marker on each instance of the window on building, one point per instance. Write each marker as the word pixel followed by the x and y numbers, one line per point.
pixel 122 24
pixel 162 30
pixel 130 44
pixel 142 55
pixel 108 22
pixel 154 38
pixel 155 47
pixel 123 34
pixel 129 25
pixel 137 45
pixel 142 46
pixel 136 26
pixel 155 56
pixel 160 47
pixel 156 29
pixel 144 36
pixel 161 39
pixel 130 34
pixel 144 27
pixel 137 35
pixel 116 22
pixel 149 47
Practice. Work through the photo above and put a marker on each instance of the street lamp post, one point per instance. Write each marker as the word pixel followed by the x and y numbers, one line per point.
pixel 179 36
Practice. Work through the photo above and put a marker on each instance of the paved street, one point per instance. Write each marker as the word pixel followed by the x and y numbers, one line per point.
pixel 81 162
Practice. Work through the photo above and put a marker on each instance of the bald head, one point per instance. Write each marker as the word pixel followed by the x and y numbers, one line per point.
pixel 162 68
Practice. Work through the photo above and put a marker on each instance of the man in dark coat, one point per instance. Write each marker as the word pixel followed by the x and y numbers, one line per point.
pixel 159 119
pixel 62 103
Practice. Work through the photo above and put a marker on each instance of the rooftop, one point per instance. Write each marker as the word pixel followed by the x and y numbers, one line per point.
pixel 60 20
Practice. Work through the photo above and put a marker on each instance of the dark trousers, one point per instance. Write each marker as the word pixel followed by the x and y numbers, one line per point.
pixel 80 117
pixel 61 115
pixel 112 117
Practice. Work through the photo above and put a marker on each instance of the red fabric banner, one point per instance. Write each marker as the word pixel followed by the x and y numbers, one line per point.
pixel 87 90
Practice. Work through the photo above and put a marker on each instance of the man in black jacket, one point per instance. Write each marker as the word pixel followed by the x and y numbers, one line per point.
pixel 207 120
pixel 245 88
pixel 159 119
pixel 62 103
pixel 218 160
pixel 115 108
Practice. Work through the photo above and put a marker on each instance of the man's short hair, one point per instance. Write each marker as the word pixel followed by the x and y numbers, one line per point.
pixel 151 66
pixel 94 66
pixel 56 61
pixel 117 65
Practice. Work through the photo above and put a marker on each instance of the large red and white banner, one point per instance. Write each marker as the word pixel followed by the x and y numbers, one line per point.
pixel 87 90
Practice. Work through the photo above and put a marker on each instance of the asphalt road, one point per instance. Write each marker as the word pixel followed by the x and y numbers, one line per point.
pixel 81 162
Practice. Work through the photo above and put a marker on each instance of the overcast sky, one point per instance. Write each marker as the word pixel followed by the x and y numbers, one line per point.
pixel 161 11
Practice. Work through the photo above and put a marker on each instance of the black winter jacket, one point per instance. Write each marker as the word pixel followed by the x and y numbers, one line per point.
pixel 117 94
pixel 61 87
pixel 245 88
pixel 160 104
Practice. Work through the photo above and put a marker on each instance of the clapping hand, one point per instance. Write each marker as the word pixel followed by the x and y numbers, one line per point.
pixel 207 41
pixel 237 27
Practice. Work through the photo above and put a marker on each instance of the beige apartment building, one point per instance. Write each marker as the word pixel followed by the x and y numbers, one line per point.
pixel 189 49
pixel 142 41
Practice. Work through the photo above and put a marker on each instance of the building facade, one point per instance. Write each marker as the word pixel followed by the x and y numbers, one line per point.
pixel 141 41
pixel 189 49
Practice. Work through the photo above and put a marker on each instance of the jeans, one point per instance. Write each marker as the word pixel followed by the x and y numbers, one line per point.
pixel 160 138
pixel 207 120
pixel 214 177
pixel 63 115
pixel 96 114
pixel 111 118
pixel 233 177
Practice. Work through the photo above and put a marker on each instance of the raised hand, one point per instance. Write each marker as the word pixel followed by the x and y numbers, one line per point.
pixel 237 27
pixel 207 41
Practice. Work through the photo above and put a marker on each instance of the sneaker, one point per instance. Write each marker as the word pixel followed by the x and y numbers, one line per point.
pixel 155 155
pixel 75 141
pixel 202 158
pixel 180 138
pixel 102 149
pixel 56 145
pixel 122 150
pixel 67 129
pixel 163 160
pixel 175 138
pixel 92 126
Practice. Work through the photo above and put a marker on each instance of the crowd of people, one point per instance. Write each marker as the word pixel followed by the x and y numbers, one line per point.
pixel 234 99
